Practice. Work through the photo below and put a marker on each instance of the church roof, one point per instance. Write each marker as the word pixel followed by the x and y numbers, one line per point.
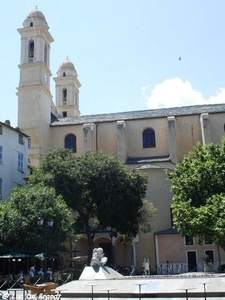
pixel 147 159
pixel 171 230
pixel 67 64
pixel 36 13
pixel 36 17
pixel 142 114
pixel 66 68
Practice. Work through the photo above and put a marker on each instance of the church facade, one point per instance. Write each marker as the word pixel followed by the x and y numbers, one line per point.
pixel 148 140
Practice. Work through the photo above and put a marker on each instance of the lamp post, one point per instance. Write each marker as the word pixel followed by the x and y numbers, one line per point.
pixel 47 223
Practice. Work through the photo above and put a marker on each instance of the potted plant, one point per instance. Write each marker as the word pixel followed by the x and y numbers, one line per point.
pixel 208 264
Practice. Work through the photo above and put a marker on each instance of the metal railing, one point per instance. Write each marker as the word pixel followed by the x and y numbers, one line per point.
pixel 174 269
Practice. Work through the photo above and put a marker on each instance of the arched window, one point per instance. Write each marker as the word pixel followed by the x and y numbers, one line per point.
pixel 64 74
pixel 148 138
pixel 45 54
pixel 31 24
pixel 31 49
pixel 64 94
pixel 71 142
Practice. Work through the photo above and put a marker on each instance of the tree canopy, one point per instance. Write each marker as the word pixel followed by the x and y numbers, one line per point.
pixel 198 184
pixel 18 222
pixel 96 185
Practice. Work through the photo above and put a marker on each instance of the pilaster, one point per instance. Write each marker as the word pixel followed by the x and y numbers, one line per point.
pixel 121 141
pixel 205 128
pixel 172 139
pixel 88 132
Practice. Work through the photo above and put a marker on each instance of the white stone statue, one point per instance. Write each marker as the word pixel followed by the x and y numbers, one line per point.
pixel 98 259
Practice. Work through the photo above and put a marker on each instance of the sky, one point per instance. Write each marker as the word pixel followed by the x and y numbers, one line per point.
pixel 129 54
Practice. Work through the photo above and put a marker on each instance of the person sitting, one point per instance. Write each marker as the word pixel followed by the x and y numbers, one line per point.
pixel 41 272
pixel 21 276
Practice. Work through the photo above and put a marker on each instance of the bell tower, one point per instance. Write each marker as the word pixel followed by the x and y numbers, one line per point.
pixel 34 96
pixel 67 90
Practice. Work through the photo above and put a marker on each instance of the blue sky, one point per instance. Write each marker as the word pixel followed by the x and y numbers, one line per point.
pixel 126 52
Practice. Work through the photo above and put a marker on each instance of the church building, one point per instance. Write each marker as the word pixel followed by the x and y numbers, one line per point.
pixel 148 140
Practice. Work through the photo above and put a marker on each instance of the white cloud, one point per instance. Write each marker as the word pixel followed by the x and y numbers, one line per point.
pixel 174 92
pixel 218 98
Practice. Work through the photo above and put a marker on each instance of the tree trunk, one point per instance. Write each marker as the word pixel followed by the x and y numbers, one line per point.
pixel 90 243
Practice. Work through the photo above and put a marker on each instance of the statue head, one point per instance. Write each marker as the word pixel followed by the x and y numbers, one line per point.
pixel 100 252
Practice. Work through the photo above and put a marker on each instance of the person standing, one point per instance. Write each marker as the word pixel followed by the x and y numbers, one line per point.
pixel 32 271
pixel 49 275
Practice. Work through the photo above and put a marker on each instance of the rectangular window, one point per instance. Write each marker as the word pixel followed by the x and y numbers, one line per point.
pixel 189 240
pixel 0 187
pixel 21 139
pixel 0 154
pixel 29 142
pixel 20 162
pixel 64 114
pixel 0 129
pixel 210 255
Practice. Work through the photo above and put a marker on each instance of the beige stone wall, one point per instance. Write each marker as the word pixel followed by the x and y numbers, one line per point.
pixel 188 134
pixel 34 118
pixel 160 196
pixel 188 131
pixel 217 123
pixel 104 138
pixel 135 129
pixel 59 133
pixel 107 137
pixel 173 249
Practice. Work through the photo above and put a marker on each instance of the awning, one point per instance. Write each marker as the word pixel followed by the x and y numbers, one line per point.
pixel 16 255
pixel 43 256
pixel 80 258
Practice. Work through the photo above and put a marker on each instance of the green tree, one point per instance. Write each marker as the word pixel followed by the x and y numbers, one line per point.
pixel 96 186
pixel 198 184
pixel 18 222
pixel 147 213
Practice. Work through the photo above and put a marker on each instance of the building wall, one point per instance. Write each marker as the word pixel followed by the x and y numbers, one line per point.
pixel 158 192
pixel 104 138
pixel 34 109
pixel 174 250
pixel 189 131
pixel 107 137
pixel 217 122
pixel 58 135
pixel 188 134
pixel 135 129
pixel 9 173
